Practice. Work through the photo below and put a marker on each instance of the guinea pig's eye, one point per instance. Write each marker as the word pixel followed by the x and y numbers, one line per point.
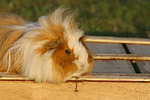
pixel 67 52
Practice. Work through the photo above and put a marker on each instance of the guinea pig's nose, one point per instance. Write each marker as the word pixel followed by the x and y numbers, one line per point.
pixel 82 65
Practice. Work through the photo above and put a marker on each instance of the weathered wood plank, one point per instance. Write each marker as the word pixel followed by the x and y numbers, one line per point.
pixel 144 66
pixel 105 48
pixel 110 66
pixel 101 39
pixel 113 66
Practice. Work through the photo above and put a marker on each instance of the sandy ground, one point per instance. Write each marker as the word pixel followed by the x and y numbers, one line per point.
pixel 10 90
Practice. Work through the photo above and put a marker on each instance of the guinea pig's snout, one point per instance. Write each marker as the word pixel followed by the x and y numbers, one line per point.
pixel 82 65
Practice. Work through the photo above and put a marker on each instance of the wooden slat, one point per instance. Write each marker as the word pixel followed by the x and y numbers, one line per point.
pixel 111 66
pixel 121 57
pixel 94 77
pixel 101 39
pixel 114 77
pixel 14 78
pixel 105 48
pixel 144 66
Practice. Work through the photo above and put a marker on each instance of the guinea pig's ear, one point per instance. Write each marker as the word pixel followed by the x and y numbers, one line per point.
pixel 52 44
pixel 82 38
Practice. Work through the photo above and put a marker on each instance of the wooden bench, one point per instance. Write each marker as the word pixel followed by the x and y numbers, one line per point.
pixel 121 72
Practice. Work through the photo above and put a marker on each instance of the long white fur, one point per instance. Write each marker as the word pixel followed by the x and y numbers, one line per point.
pixel 40 67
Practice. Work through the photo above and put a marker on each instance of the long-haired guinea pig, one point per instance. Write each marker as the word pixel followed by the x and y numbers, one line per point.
pixel 49 50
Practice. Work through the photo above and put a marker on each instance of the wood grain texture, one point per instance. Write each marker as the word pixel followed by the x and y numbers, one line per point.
pixel 144 66
pixel 112 66
pixel 109 66
pixel 86 91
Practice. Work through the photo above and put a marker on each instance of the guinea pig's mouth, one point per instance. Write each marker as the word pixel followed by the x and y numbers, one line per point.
pixel 82 70
pixel 82 65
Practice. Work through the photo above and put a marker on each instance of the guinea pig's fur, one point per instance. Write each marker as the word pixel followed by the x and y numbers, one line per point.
pixel 49 50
